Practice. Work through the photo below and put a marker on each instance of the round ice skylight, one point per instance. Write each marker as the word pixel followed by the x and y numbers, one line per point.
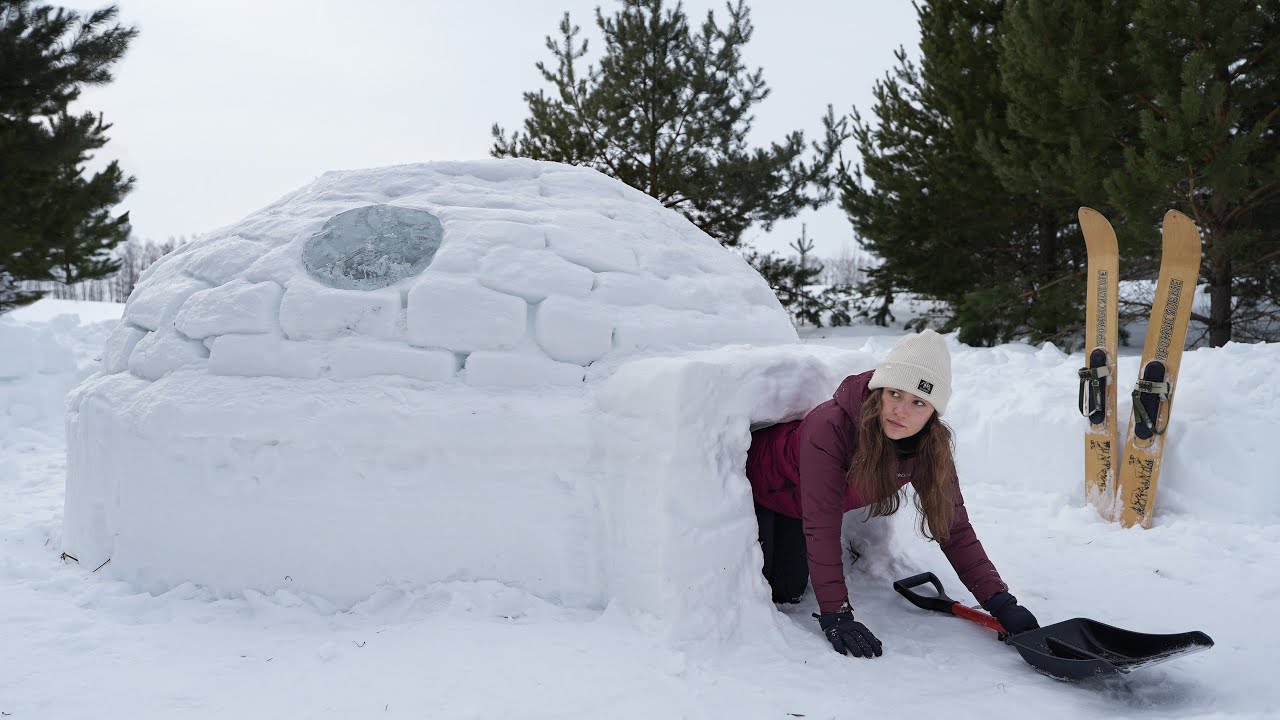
pixel 372 247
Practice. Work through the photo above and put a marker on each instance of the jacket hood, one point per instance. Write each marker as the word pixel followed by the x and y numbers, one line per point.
pixel 852 392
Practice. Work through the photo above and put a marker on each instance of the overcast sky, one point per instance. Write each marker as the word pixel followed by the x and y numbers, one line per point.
pixel 220 108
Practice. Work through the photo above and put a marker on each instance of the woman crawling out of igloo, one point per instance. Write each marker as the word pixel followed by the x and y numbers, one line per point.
pixel 881 430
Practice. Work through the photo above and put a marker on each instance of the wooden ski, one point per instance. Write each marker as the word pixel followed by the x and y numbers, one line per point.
pixel 1097 399
pixel 1158 371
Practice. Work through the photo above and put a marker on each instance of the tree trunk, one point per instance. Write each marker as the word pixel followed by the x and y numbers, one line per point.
pixel 1049 242
pixel 1219 289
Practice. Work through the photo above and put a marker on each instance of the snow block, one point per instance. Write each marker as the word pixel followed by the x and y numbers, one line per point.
pixel 89 507
pixel 700 568
pixel 164 351
pixel 218 261
pixel 310 311
pixel 348 485
pixel 457 313
pixel 573 331
pixel 591 248
pixel 666 261
pixel 675 294
pixel 237 307
pixel 467 243
pixel 119 346
pixel 617 288
pixel 533 274
pixel 655 329
pixel 151 306
pixel 357 358
pixel 173 266
pixel 278 266
pixel 500 369
pixel 573 185
pixel 264 355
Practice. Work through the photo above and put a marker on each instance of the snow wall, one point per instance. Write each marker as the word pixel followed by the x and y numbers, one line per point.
pixel 38 363
pixel 502 370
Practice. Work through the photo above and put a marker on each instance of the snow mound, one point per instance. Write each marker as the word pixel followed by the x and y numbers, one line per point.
pixel 387 374
pixel 29 351
pixel 39 360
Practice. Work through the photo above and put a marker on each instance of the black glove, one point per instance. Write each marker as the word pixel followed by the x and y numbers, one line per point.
pixel 1012 616
pixel 848 636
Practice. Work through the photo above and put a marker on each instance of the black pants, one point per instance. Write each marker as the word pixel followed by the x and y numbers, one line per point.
pixel 786 558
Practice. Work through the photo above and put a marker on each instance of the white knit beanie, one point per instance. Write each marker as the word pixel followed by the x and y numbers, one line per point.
pixel 919 364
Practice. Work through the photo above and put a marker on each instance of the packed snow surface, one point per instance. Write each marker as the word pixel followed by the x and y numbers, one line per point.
pixel 81 642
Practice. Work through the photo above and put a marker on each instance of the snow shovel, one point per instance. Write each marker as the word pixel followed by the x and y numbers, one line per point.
pixel 1074 649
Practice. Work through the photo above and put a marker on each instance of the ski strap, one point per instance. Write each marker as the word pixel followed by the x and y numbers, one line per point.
pixel 1151 386
pixel 1092 377
pixel 1159 388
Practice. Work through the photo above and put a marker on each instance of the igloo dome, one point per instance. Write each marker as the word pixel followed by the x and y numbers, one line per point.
pixel 510 272
pixel 438 336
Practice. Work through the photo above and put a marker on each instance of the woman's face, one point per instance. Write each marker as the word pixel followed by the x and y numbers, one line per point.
pixel 903 414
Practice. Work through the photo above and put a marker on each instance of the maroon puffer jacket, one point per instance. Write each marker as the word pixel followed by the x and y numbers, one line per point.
pixel 799 468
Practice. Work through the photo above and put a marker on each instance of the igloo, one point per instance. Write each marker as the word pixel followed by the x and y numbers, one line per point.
pixel 499 370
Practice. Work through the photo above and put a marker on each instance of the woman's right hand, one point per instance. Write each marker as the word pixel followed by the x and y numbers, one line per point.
pixel 848 636
pixel 1015 618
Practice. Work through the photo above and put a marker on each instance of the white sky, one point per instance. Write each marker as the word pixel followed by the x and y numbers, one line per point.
pixel 218 109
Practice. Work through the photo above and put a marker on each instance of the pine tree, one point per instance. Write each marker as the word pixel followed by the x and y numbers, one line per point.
pixel 803 245
pixel 1210 141
pixel 932 207
pixel 55 223
pixel 1139 106
pixel 668 111
pixel 1063 76
pixel 794 283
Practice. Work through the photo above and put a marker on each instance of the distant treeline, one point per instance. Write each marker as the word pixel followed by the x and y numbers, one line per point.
pixel 134 256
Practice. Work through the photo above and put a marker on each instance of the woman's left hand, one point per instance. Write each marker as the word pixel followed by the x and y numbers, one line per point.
pixel 1015 618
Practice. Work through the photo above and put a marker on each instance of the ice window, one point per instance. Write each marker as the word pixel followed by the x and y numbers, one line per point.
pixel 372 247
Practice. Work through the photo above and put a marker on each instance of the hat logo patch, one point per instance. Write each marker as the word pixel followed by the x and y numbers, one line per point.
pixel 925 387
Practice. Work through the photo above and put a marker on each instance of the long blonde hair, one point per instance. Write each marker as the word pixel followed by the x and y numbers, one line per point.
pixel 873 471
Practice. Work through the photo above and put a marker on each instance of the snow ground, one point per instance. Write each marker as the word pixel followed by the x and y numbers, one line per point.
pixel 79 644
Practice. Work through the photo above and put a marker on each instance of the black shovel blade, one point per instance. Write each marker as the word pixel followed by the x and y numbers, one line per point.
pixel 1080 648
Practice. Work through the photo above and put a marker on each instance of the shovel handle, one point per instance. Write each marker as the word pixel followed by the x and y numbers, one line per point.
pixel 941 603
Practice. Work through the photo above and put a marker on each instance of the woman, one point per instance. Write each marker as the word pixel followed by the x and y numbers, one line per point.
pixel 881 430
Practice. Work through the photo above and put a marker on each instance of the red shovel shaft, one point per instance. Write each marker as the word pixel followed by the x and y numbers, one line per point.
pixel 941 603
pixel 977 616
